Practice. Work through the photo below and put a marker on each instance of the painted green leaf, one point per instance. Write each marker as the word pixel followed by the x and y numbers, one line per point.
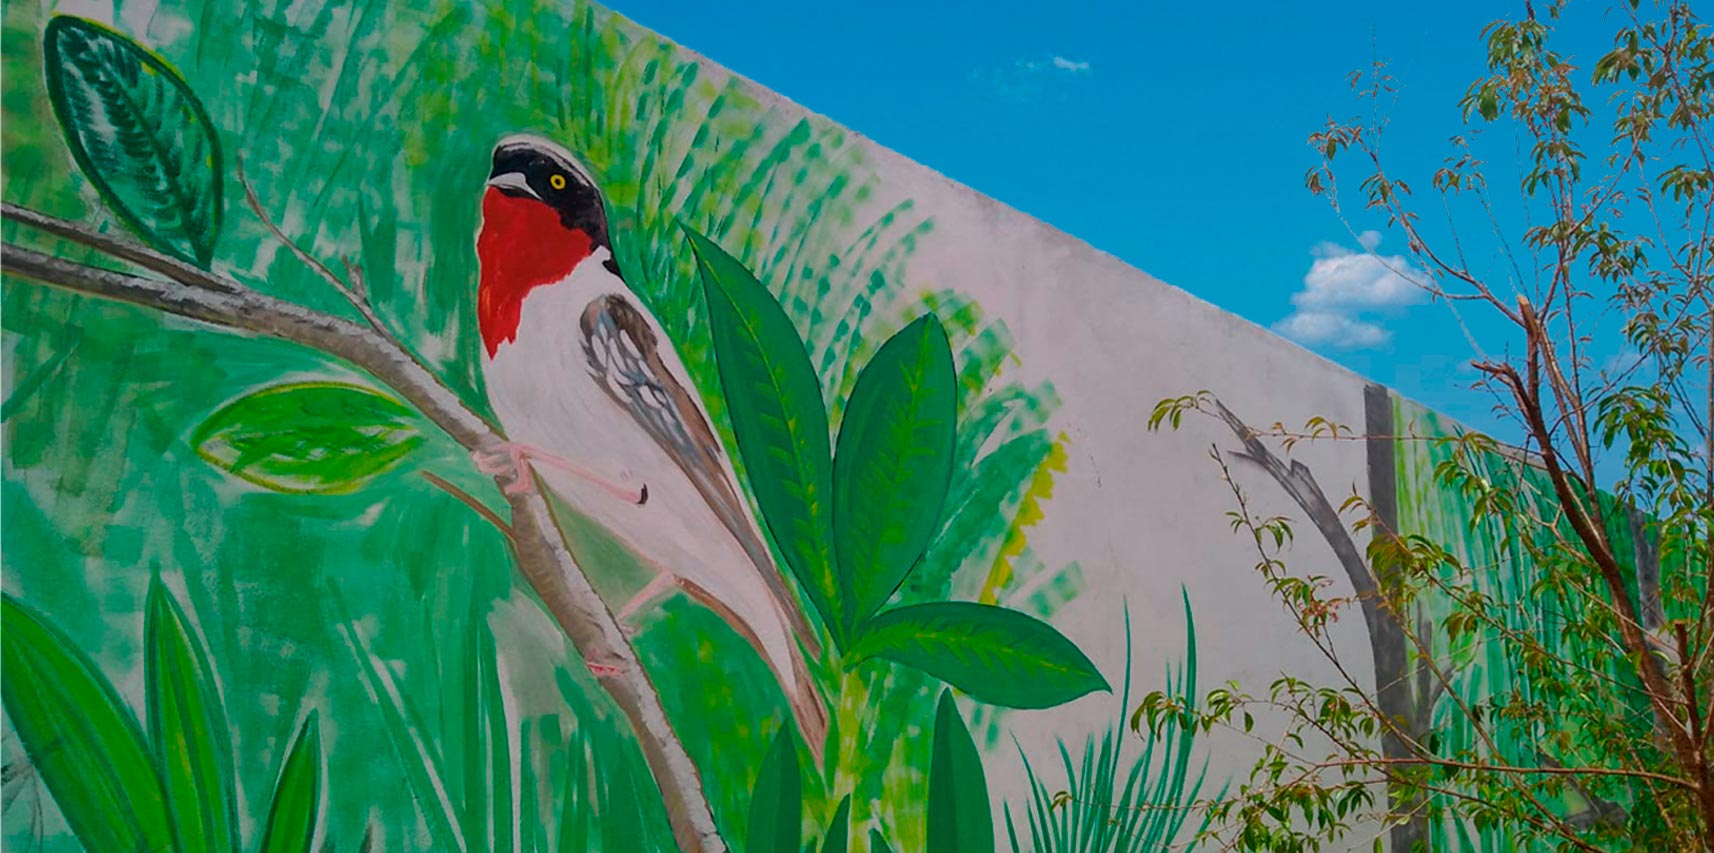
pixel 996 655
pixel 838 836
pixel 138 133
pixel 296 811
pixel 894 463
pixel 188 726
pixel 878 842
pixel 83 741
pixel 774 399
pixel 776 802
pixel 958 816
pixel 317 437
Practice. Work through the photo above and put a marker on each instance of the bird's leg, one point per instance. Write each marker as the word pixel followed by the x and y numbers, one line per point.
pixel 660 583
pixel 514 459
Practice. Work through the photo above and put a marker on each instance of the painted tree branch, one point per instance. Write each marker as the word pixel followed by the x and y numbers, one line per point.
pixel 540 550
pixel 1386 634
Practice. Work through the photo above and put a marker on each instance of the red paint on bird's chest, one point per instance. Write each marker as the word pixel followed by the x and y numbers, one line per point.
pixel 523 245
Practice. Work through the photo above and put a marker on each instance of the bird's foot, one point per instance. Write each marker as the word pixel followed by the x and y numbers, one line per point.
pixel 604 670
pixel 509 462
pixel 512 461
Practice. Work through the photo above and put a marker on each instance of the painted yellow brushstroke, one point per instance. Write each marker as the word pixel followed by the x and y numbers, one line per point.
pixel 1029 512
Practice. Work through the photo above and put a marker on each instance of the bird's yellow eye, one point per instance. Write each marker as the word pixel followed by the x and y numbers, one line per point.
pixel 557 181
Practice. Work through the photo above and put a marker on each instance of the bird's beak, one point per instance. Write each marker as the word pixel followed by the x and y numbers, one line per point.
pixel 513 183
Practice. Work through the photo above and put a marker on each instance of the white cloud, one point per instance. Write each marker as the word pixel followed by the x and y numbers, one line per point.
pixel 1074 66
pixel 1342 286
pixel 1317 328
pixel 1030 78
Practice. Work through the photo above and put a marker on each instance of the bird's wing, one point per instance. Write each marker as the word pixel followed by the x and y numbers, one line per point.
pixel 625 358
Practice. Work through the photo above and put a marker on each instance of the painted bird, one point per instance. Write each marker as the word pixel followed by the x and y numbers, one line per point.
pixel 593 397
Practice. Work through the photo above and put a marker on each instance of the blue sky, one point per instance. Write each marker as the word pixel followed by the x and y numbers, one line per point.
pixel 1169 134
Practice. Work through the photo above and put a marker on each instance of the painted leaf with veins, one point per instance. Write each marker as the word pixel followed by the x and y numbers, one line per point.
pixel 996 655
pixel 139 134
pixel 318 437
pixel 894 463
pixel 774 401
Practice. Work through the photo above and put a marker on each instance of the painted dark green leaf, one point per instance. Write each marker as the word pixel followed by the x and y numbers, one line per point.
pixel 138 133
pixel 317 437
pixel 776 802
pixel 84 743
pixel 958 816
pixel 774 400
pixel 295 813
pixel 838 836
pixel 878 842
pixel 188 726
pixel 894 463
pixel 996 655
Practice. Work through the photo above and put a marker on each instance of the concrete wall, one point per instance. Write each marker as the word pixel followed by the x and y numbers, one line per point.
pixel 451 710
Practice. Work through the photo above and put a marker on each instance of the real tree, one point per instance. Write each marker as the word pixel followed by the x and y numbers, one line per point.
pixel 1593 244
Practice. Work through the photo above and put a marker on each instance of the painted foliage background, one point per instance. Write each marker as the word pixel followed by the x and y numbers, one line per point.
pixel 387 618
pixel 365 128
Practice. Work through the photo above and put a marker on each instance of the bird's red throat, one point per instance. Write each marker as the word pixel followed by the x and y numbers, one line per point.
pixel 522 245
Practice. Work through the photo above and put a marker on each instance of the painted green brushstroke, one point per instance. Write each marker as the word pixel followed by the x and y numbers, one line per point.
pixel 1504 570
pixel 353 120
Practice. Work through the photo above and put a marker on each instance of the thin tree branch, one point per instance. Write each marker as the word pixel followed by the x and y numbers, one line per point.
pixel 470 500
pixel 540 549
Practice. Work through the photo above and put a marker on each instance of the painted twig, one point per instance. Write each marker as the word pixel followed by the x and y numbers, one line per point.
pixel 539 548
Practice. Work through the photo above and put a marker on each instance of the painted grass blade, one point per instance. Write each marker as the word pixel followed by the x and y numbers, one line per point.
pixel 405 729
pixel 838 836
pixel 776 802
pixel 83 741
pixel 295 815
pixel 959 820
pixel 188 725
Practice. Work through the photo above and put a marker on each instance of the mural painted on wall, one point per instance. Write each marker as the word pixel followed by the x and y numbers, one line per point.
pixel 437 430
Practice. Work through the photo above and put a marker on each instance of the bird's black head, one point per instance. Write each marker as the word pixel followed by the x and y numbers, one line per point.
pixel 535 168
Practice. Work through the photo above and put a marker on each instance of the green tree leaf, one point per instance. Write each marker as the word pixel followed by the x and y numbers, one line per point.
pixel 138 133
pixel 317 437
pixel 996 655
pixel 189 728
pixel 776 802
pixel 774 400
pixel 83 741
pixel 958 816
pixel 894 463
pixel 838 836
pixel 295 814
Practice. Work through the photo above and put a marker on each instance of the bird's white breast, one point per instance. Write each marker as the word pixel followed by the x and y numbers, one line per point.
pixel 545 397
